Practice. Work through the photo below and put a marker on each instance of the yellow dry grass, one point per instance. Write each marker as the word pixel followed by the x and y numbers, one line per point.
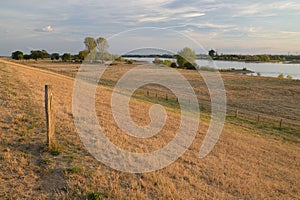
pixel 243 165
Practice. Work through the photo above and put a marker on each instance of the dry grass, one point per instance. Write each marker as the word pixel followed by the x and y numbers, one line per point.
pixel 243 165
pixel 276 97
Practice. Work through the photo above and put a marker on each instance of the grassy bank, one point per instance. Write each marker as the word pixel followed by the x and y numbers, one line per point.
pixel 246 163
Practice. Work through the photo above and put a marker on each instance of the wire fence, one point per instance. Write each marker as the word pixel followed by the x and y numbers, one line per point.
pixel 256 118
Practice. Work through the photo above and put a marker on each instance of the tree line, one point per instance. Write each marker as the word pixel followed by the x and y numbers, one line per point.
pixel 253 58
pixel 95 50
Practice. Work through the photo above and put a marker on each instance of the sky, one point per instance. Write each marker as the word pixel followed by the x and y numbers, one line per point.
pixel 228 26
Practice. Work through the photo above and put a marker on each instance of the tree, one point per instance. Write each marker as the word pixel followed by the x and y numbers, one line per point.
pixel 55 56
pixel 45 54
pixel 90 44
pixel 17 55
pixel 184 56
pixel 37 54
pixel 102 46
pixel 66 57
pixel 26 57
pixel 83 54
pixel 212 53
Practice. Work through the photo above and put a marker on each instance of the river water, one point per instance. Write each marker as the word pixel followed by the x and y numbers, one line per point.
pixel 265 69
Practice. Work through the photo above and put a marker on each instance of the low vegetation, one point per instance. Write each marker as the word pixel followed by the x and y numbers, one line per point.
pixel 246 163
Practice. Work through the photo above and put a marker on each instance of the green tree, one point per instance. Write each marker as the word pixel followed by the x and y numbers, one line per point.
pixel 17 55
pixel 66 57
pixel 55 56
pixel 36 54
pixel 186 55
pixel 45 54
pixel 90 44
pixel 264 58
pixel 83 54
pixel 27 57
pixel 212 53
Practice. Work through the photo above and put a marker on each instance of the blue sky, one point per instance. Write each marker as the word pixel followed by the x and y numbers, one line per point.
pixel 264 26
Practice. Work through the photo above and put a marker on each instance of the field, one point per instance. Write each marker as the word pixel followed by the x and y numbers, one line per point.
pixel 250 161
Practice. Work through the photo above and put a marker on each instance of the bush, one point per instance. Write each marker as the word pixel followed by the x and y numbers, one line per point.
pixel 190 66
pixel 94 196
pixel 289 77
pixel 167 63
pixel 281 76
pixel 173 65
pixel 73 170
pixel 129 61
pixel 258 74
pixel 157 61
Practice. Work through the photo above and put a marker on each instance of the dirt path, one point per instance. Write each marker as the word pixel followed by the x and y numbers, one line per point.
pixel 245 164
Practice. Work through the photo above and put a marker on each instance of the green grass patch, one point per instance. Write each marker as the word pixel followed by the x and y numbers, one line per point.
pixel 73 170
pixel 94 196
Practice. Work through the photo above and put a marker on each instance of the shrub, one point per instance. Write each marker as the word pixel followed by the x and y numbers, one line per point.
pixel 129 61
pixel 74 170
pixel 167 63
pixel 258 74
pixel 281 76
pixel 190 66
pixel 173 65
pixel 289 77
pixel 94 196
pixel 157 61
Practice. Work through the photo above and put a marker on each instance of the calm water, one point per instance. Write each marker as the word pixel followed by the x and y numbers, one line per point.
pixel 265 69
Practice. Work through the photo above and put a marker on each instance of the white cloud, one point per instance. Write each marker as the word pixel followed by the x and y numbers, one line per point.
pixel 47 29
pixel 190 15
pixel 212 25
pixel 152 19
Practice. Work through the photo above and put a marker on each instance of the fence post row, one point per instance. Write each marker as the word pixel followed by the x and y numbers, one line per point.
pixel 50 126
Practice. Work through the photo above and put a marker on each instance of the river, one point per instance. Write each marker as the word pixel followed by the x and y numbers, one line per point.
pixel 265 69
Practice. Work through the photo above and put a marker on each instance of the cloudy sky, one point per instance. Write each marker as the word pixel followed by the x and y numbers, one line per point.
pixel 264 26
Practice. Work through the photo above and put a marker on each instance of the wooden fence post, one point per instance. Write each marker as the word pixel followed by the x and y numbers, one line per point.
pixel 147 92
pixel 281 123
pixel 49 114
pixel 258 118
pixel 166 96
pixel 237 113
